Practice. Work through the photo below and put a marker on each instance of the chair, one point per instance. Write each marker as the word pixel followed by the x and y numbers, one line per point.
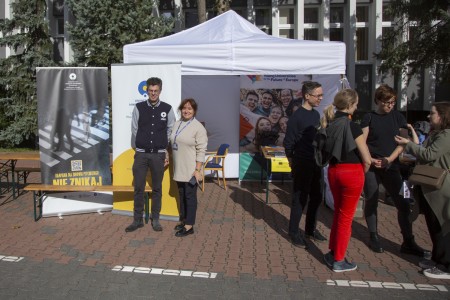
pixel 215 161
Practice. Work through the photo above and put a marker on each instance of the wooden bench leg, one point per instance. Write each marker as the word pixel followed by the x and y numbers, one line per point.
pixel 21 175
pixel 37 203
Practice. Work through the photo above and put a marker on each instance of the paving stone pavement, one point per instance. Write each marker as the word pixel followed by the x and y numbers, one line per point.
pixel 240 250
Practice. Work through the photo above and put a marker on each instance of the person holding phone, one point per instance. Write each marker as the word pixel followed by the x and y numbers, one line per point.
pixel 379 129
pixel 189 141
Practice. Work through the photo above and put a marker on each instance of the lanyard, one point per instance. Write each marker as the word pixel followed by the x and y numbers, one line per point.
pixel 177 133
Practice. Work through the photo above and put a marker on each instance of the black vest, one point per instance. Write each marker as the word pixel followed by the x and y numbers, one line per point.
pixel 152 126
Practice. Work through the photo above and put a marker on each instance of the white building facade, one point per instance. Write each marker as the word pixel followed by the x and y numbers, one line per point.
pixel 360 24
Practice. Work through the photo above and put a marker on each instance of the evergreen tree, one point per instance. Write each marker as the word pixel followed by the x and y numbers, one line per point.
pixel 26 34
pixel 103 27
pixel 426 24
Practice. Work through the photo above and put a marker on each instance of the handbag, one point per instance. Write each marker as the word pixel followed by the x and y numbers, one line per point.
pixel 428 176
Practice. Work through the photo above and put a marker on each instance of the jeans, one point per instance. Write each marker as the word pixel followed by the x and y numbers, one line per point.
pixel 188 202
pixel 392 181
pixel 346 184
pixel 142 163
pixel 307 183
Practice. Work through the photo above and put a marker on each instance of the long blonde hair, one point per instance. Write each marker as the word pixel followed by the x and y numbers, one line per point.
pixel 342 100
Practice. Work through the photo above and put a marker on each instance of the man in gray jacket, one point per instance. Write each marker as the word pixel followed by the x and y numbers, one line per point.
pixel 151 127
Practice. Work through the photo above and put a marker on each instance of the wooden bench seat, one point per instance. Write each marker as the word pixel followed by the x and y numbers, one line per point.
pixel 40 191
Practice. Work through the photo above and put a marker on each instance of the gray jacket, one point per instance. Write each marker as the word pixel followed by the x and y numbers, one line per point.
pixel 436 152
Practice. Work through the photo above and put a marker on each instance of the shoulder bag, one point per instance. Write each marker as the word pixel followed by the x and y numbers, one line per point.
pixel 428 176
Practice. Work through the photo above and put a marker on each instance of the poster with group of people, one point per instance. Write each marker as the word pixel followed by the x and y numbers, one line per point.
pixel 266 103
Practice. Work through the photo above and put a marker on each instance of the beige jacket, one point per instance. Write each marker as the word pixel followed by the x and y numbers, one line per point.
pixel 191 141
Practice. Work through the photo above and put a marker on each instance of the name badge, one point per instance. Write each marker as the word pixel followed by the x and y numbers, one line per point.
pixel 175 146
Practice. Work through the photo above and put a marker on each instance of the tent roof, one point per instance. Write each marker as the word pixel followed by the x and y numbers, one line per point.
pixel 230 45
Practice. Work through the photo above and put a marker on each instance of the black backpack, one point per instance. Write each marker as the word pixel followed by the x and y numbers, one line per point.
pixel 321 155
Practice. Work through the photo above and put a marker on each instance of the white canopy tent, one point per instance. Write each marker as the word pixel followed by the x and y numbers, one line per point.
pixel 230 45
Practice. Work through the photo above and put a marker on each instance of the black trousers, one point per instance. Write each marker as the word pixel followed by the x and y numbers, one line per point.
pixel 441 241
pixel 392 181
pixel 188 202
pixel 142 163
pixel 307 184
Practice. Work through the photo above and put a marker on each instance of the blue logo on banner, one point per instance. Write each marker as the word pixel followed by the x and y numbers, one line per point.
pixel 142 88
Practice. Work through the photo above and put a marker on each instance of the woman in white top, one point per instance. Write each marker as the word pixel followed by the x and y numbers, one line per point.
pixel 189 141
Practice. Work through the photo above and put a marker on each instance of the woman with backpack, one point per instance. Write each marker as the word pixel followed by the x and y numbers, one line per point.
pixel 350 159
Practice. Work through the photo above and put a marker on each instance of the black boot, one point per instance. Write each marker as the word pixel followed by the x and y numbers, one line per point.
pixel 135 225
pixel 374 243
pixel 409 246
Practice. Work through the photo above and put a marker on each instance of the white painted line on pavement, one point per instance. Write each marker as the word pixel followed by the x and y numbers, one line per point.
pixel 388 285
pixel 169 272
pixel 11 258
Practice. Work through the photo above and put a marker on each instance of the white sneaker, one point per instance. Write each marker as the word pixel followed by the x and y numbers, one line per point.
pixel 436 273
pixel 427 264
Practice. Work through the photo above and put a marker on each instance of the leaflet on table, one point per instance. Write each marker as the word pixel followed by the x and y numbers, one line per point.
pixel 280 164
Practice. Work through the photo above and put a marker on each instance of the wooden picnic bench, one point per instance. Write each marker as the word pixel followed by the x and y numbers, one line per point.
pixel 8 162
pixel 41 191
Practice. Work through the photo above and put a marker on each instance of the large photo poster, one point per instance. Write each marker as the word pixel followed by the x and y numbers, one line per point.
pixel 73 121
pixel 266 103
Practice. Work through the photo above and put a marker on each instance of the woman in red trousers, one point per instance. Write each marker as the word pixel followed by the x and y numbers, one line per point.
pixel 350 160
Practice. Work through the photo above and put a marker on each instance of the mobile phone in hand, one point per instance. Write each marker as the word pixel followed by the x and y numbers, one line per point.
pixel 404 132
pixel 193 181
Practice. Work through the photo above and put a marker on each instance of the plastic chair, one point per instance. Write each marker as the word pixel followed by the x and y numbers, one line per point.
pixel 215 162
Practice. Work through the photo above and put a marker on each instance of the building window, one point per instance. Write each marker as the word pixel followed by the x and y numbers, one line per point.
pixel 190 19
pixel 362 14
pixel 263 19
pixel 286 16
pixel 362 43
pixel 58 8
pixel 312 34
pixel 336 14
pixel 336 23
pixel 386 31
pixel 387 17
pixel 337 34
pixel 287 33
pixel 166 5
pixel 311 15
pixel 59 26
pixel 58 49
pixel 311 23
pixel 362 33
pixel 262 3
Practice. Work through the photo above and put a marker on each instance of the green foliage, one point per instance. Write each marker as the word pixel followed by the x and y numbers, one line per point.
pixel 103 27
pixel 426 23
pixel 26 33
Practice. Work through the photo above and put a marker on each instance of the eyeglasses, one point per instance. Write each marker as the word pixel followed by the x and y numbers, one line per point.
pixel 317 96
pixel 152 92
pixel 388 103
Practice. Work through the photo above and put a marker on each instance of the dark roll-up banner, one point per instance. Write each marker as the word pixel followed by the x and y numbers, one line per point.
pixel 74 122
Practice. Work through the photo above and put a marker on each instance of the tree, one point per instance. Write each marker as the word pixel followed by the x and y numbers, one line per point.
pixel 426 25
pixel 222 6
pixel 103 27
pixel 26 34
pixel 201 11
